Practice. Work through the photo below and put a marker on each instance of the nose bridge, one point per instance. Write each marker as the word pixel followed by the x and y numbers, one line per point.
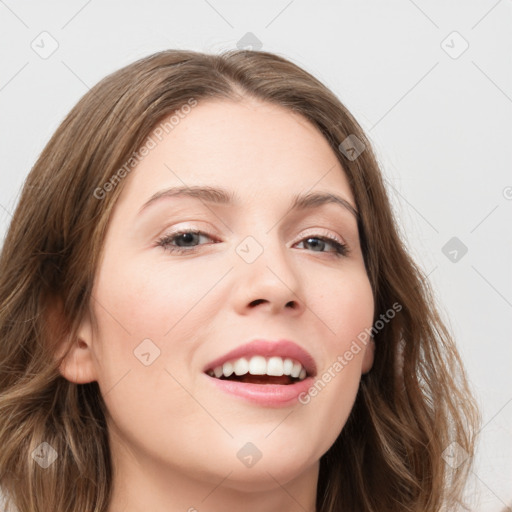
pixel 265 273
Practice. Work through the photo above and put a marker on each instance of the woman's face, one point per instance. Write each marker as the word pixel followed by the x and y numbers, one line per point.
pixel 258 270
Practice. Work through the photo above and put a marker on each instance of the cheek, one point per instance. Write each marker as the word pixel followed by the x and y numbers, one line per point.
pixel 345 308
pixel 150 298
pixel 150 316
pixel 146 318
pixel 344 304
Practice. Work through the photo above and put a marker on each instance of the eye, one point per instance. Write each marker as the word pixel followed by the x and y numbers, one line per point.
pixel 181 241
pixel 320 242
pixel 186 241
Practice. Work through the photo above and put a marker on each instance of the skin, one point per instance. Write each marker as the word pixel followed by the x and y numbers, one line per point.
pixel 174 436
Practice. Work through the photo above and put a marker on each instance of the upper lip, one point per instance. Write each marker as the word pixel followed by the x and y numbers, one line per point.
pixel 266 348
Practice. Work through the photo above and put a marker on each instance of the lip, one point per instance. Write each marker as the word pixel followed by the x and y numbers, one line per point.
pixel 282 348
pixel 266 395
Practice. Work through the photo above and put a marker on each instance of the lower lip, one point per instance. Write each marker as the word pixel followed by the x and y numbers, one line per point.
pixel 268 395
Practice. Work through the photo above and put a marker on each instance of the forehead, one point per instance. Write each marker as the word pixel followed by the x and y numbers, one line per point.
pixel 264 152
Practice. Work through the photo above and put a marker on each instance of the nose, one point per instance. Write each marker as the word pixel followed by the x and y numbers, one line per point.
pixel 270 283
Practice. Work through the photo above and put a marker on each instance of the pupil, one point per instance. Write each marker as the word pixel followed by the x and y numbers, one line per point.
pixel 187 237
pixel 315 242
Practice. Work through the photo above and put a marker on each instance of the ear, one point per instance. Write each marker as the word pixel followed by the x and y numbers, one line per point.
pixel 74 353
pixel 369 355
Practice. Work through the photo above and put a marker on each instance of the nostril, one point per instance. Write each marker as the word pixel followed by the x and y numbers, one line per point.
pixel 257 301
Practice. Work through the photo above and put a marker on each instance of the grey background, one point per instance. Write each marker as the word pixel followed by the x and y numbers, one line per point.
pixel 439 118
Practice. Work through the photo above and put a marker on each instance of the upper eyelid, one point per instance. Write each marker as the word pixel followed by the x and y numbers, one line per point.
pixel 294 218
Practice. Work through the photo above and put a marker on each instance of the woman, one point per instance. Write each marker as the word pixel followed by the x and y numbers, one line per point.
pixel 206 305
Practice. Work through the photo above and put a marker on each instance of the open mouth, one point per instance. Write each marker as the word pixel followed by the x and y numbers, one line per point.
pixel 258 379
pixel 261 370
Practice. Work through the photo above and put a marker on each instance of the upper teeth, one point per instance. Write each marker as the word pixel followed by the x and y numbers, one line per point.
pixel 259 365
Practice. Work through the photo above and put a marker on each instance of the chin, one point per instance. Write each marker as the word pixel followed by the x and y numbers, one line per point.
pixel 265 476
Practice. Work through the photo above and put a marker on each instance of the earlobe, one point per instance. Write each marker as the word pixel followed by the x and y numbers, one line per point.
pixel 369 355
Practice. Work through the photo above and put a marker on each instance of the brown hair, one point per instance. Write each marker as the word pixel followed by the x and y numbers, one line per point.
pixel 410 407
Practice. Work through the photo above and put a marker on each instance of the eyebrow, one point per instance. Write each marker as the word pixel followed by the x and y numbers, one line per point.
pixel 216 195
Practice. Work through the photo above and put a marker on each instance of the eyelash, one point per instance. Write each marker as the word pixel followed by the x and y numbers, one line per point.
pixel 340 249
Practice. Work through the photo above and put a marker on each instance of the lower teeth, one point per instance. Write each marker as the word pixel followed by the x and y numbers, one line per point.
pixel 261 379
